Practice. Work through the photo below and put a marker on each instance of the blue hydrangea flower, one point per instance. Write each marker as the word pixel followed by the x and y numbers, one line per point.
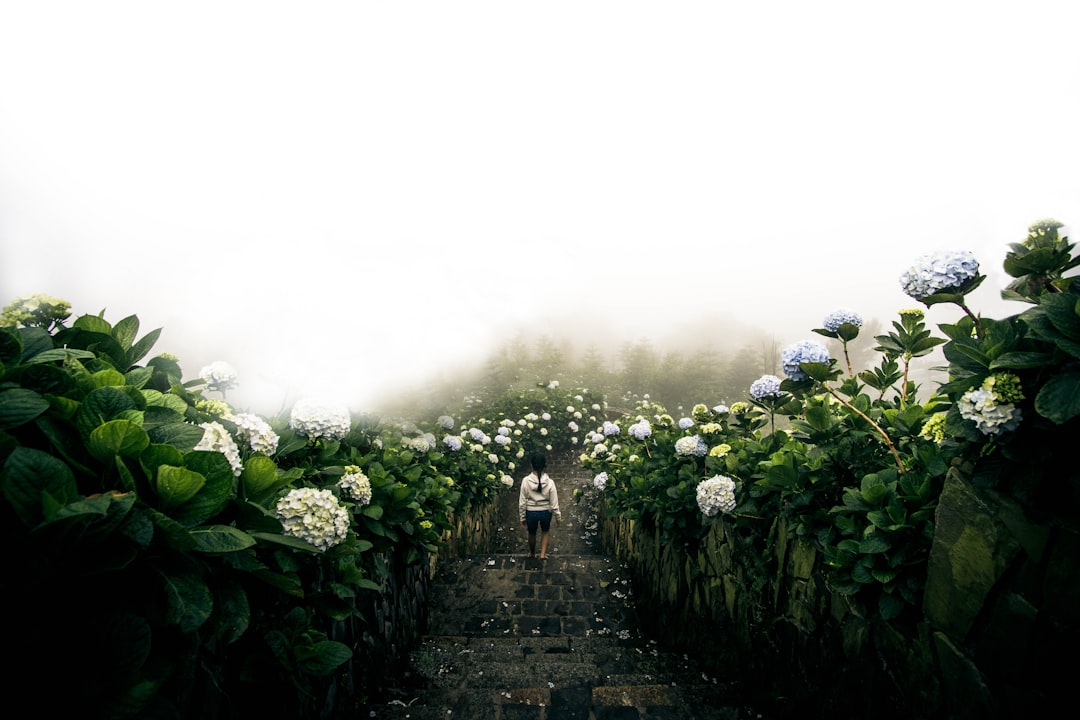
pixel 453 442
pixel 610 428
pixel 765 386
pixel 937 272
pixel 838 317
pixel 990 415
pixel 685 423
pixel 800 352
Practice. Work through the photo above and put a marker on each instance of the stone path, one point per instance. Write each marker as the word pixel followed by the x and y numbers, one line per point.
pixel 515 638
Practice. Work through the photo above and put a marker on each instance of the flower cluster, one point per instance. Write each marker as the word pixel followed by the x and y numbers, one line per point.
pixel 842 316
pixel 453 442
pixel 314 420
pixel 716 494
pixel 765 386
pixel 990 415
pixel 800 352
pixel 1005 386
pixel 641 429
pixel 700 412
pixel 219 375
pixel 315 516
pixel 610 428
pixel 356 484
pixel 721 409
pixel 720 450
pixel 260 436
pixel 934 428
pixel 600 481
pixel 691 445
pixel 420 444
pixel 938 272
pixel 36 310
pixel 686 423
pixel 217 439
pixel 446 422
pixel 506 480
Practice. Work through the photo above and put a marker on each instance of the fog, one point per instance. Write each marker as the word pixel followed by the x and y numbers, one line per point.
pixel 352 199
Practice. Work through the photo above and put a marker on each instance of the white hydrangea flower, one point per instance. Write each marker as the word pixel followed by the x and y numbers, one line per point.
pixel 315 516
pixel 217 439
pixel 260 436
pixel 716 494
pixel 219 375
pixel 356 484
pixel 691 445
pixel 316 420
pixel 506 480
pixel 600 481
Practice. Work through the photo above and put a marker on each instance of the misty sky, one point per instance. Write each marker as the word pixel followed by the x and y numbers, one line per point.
pixel 344 198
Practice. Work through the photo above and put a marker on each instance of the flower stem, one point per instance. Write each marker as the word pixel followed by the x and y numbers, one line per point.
pixel 847 359
pixel 979 331
pixel 864 416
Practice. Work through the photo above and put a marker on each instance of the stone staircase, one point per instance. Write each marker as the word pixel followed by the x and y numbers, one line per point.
pixel 511 637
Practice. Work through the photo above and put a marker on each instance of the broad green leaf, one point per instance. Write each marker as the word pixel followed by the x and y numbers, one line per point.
pixel 30 477
pixel 260 478
pixel 176 485
pixel 375 512
pixel 141 348
pixel 819 417
pixel 1020 360
pixel 323 657
pixel 35 341
pixel 1059 399
pixel 220 539
pixel 189 600
pixel 156 455
pixel 92 323
pixel 61 354
pixel 214 496
pixel 1061 309
pixel 107 378
pixel 125 331
pixel 19 406
pixel 100 406
pixel 117 437
pixel 183 436
pixel 874 544
pixel 286 540
pixel 11 347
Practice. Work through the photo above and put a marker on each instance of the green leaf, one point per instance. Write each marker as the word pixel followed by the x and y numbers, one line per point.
pixel 117 437
pixel 260 478
pixel 190 601
pixel 92 323
pixel 183 436
pixel 11 347
pixel 1020 360
pixel 874 544
pixel 61 354
pixel 220 539
pixel 141 348
pixel 323 657
pixel 125 331
pixel 819 417
pixel 30 478
pixel 19 406
pixel 100 406
pixel 176 485
pixel 1059 399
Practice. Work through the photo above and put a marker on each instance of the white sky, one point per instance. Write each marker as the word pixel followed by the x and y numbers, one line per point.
pixel 346 197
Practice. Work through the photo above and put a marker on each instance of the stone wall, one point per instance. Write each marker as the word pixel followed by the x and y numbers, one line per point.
pixel 997 631
pixel 395 617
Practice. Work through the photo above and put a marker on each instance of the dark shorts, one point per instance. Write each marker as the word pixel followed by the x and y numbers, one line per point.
pixel 538 517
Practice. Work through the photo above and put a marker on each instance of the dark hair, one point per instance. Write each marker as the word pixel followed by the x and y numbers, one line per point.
pixel 539 462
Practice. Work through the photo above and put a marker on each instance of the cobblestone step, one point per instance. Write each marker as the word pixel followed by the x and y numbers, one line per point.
pixel 511 637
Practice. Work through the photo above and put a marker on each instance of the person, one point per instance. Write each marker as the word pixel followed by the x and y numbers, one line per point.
pixel 538 504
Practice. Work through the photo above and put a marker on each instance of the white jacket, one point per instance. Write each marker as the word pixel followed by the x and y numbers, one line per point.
pixel 547 498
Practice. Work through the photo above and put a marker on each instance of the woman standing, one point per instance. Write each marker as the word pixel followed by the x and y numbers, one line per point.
pixel 538 503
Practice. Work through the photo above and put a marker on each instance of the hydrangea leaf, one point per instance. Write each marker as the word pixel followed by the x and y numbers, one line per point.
pixel 1059 398
pixel 19 406
pixel 189 601
pixel 30 475
pixel 176 485
pixel 260 478
pixel 117 437
pixel 323 657
pixel 220 539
